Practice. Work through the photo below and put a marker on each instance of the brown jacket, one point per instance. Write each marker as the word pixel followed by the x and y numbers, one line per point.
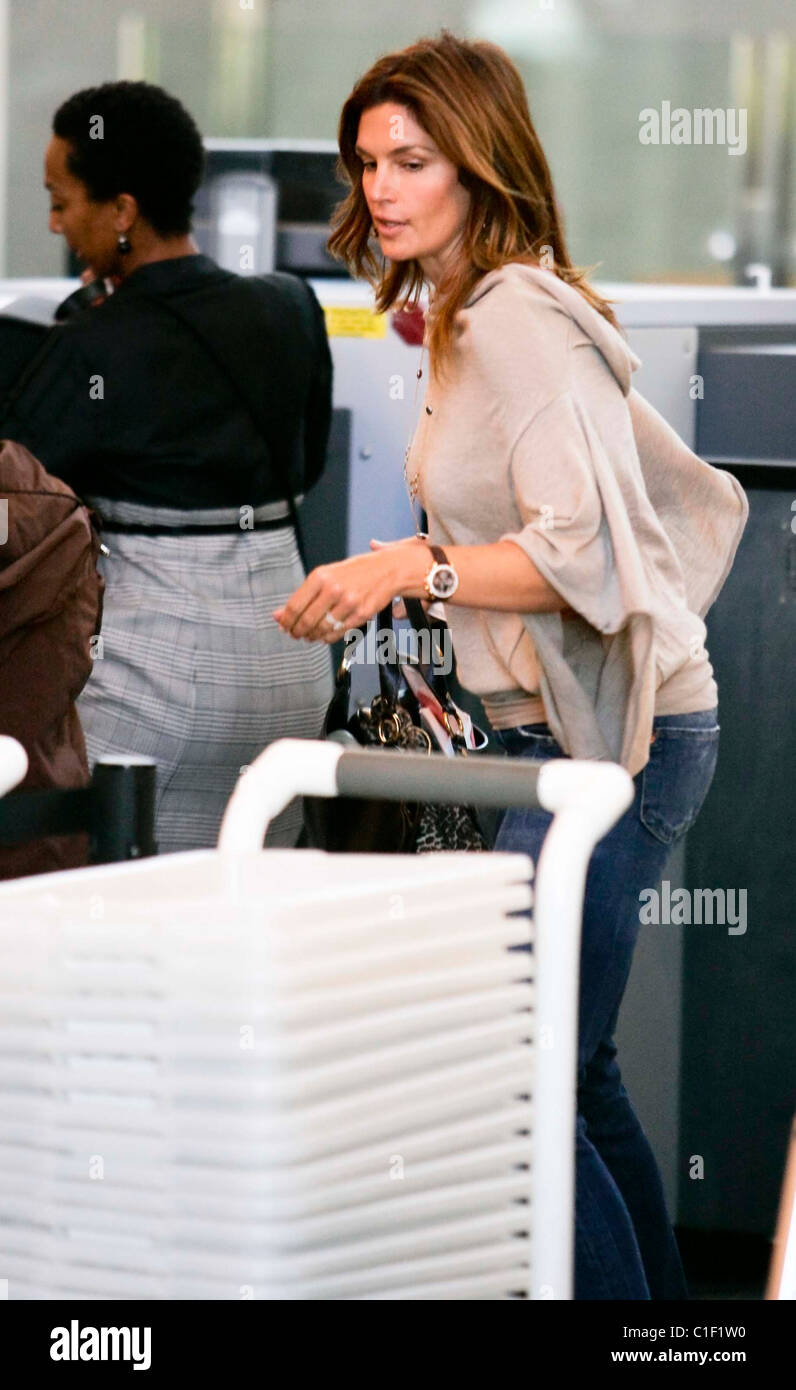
pixel 50 608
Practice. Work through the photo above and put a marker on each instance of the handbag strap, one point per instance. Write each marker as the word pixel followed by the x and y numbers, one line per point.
pixel 390 677
pixel 264 421
pixel 421 622
pixel 433 674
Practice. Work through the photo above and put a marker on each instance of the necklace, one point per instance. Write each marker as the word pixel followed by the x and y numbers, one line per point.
pixel 412 484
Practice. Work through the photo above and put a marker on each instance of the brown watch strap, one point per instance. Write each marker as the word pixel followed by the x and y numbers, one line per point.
pixel 439 554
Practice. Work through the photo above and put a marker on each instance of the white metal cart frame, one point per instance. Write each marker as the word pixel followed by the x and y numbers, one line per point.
pixel 585 798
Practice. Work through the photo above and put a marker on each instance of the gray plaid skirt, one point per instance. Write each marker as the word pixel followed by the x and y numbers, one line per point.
pixel 193 671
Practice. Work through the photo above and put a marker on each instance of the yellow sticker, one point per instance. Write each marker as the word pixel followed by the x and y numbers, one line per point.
pixel 347 321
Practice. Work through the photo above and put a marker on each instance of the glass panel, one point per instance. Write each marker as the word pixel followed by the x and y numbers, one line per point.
pixel 664 212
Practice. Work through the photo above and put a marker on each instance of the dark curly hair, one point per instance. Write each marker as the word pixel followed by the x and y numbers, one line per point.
pixel 150 148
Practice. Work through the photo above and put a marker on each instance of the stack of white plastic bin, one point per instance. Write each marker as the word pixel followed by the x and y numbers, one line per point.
pixel 283 1074
pixel 302 1077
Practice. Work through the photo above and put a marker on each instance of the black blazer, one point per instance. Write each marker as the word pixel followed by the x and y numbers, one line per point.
pixel 126 403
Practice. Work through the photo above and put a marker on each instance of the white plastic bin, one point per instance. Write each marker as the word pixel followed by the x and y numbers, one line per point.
pixel 291 1075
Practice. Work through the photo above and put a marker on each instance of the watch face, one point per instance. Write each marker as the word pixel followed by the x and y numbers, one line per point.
pixel 444 581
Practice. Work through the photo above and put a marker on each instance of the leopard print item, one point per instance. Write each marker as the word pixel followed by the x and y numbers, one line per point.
pixel 448 827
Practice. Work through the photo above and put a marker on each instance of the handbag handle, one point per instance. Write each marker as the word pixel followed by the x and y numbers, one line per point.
pixel 390 677
pixel 390 671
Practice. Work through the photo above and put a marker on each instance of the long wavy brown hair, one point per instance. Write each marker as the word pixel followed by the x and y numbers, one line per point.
pixel 470 99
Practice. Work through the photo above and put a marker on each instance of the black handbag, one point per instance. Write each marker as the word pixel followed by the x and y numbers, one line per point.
pixel 392 720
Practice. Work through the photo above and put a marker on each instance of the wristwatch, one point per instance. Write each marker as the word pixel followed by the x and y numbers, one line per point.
pixel 442 579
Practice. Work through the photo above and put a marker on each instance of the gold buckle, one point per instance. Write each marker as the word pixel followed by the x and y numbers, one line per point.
pixel 396 723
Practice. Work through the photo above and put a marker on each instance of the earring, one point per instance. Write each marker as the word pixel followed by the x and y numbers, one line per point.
pixel 123 245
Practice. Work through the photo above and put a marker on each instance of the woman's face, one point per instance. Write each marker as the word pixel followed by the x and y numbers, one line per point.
pixel 412 190
pixel 89 228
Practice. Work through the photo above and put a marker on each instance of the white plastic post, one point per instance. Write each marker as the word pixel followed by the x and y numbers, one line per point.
pixel 587 799
pixel 13 763
pixel 290 767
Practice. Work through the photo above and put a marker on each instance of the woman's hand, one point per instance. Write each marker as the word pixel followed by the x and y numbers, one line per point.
pixel 345 594
pixel 339 596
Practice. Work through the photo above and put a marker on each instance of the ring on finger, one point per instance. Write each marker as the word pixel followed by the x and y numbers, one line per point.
pixel 334 622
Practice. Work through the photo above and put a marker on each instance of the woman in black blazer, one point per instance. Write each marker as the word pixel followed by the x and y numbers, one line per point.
pixel 183 405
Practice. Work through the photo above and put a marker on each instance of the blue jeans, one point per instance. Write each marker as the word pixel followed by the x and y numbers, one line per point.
pixel 624 1243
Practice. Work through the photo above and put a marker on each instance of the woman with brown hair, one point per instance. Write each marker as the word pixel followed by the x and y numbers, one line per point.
pixel 575 578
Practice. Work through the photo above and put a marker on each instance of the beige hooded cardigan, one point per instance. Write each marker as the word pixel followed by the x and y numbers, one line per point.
pixel 535 435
